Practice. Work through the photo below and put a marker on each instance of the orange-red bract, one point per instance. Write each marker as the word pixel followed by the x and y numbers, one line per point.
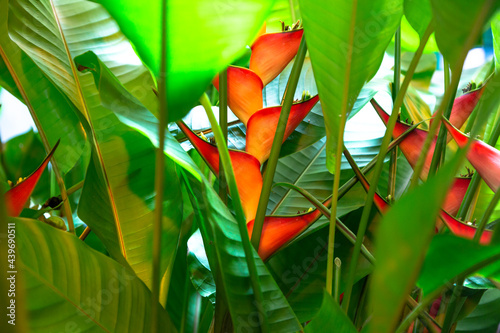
pixel 272 52
pixel 16 197
pixel 262 127
pixel 464 230
pixel 484 158
pixel 246 170
pixel 244 92
pixel 280 230
pixel 411 146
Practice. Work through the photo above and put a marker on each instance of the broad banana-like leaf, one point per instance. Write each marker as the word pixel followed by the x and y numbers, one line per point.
pixel 347 54
pixel 118 196
pixel 80 287
pixel 65 29
pixel 203 38
pixel 55 117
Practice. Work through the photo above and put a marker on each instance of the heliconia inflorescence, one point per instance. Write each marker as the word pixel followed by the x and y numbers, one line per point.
pixel 16 197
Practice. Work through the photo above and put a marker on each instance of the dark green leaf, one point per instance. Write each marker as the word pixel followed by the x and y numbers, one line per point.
pixel 330 315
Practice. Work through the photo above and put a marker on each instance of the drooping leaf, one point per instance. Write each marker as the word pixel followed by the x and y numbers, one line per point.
pixel 419 14
pixel 118 196
pixel 17 196
pixel 244 92
pixel 399 253
pixel 79 287
pixel 347 56
pixel 261 127
pixel 246 170
pixel 484 158
pixel 448 256
pixel 272 52
pixel 455 20
pixel 330 315
pixel 66 29
pixel 204 37
pixel 54 115
pixel 484 318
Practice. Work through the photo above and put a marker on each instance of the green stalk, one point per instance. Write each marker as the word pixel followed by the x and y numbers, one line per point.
pixel 223 125
pixel 159 175
pixel 393 166
pixel 338 264
pixel 380 163
pixel 452 310
pixel 277 142
pixel 440 149
pixel 476 179
pixel 238 208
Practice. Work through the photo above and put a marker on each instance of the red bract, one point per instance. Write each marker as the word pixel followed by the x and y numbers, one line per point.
pixel 246 170
pixel 411 146
pixel 16 197
pixel 464 230
pixel 484 158
pixel 463 107
pixel 280 230
pixel 262 127
pixel 272 52
pixel 456 195
pixel 244 92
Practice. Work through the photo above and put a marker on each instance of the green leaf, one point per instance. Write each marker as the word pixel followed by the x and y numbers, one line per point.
pixel 401 241
pixel 455 20
pixel 495 29
pixel 419 14
pixel 219 228
pixel 343 61
pixel 79 287
pixel 53 114
pixel 448 256
pixel 410 39
pixel 65 29
pixel 485 318
pixel 204 36
pixel 330 315
pixel 118 196
pixel 300 268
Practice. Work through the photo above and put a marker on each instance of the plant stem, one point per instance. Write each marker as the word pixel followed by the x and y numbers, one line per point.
pixel 380 162
pixel 292 11
pixel 240 216
pixel 223 125
pixel 393 166
pixel 75 188
pixel 277 142
pixel 159 175
pixel 338 264
pixel 85 233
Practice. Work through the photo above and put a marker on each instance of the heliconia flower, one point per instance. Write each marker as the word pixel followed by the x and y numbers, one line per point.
pixel 272 52
pixel 280 230
pixel 16 197
pixel 246 170
pixel 463 107
pixel 411 146
pixel 456 195
pixel 464 230
pixel 244 92
pixel 262 126
pixel 483 157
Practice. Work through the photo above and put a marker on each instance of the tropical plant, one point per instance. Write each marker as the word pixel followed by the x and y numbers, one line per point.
pixel 214 170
